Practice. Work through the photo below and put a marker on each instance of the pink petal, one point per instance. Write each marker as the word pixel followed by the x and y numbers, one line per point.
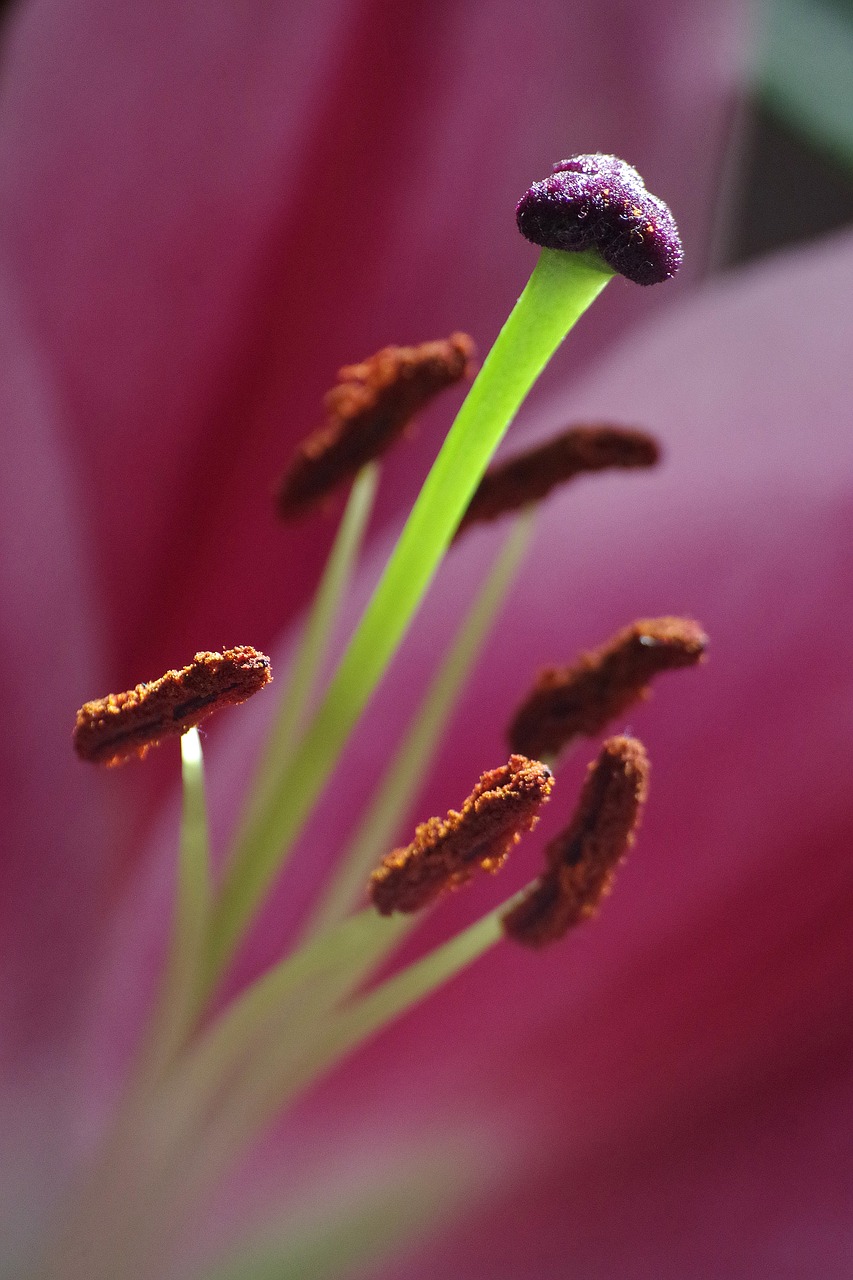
pixel 56 815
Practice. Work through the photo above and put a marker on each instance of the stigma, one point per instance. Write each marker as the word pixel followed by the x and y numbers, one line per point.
pixel 601 203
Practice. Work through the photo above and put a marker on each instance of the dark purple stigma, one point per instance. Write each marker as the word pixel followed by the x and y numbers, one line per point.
pixel 600 202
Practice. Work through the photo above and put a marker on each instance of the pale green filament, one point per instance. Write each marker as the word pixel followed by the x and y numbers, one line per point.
pixel 194 880
pixel 281 1040
pixel 403 777
pixel 285 1064
pixel 182 1132
pixel 178 998
pixel 277 1037
pixel 313 646
pixel 560 289
pixel 364 1016
pixel 83 1243
pixel 323 971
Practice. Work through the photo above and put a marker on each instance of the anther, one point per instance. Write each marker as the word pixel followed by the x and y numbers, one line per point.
pixel 600 202
pixel 531 476
pixel 113 729
pixel 445 853
pixel 582 699
pixel 370 407
pixel 580 864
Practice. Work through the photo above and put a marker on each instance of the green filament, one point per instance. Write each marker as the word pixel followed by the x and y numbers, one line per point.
pixel 313 647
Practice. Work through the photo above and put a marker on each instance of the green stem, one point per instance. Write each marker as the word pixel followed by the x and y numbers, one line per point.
pixel 249 1064
pixel 560 289
pixel 404 776
pixel 321 973
pixel 396 995
pixel 275 1077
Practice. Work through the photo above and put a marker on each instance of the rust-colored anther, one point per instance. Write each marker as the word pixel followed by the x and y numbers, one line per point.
pixel 445 853
pixel 113 729
pixel 531 476
pixel 581 863
pixel 369 408
pixel 581 700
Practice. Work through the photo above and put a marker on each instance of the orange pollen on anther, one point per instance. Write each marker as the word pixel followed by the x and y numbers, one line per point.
pixel 582 861
pixel 445 853
pixel 581 700
pixel 532 475
pixel 370 407
pixel 113 729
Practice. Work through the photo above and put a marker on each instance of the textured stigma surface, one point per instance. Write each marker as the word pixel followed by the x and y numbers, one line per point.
pixel 599 202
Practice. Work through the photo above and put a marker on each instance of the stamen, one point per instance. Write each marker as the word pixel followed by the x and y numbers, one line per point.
pixel 599 202
pixel 531 476
pixel 369 408
pixel 112 729
pixel 446 852
pixel 582 699
pixel 581 863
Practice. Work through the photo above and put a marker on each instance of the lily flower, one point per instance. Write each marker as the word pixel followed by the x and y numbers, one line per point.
pixel 687 1062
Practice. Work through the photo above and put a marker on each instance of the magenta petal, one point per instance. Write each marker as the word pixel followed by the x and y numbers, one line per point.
pixel 56 830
